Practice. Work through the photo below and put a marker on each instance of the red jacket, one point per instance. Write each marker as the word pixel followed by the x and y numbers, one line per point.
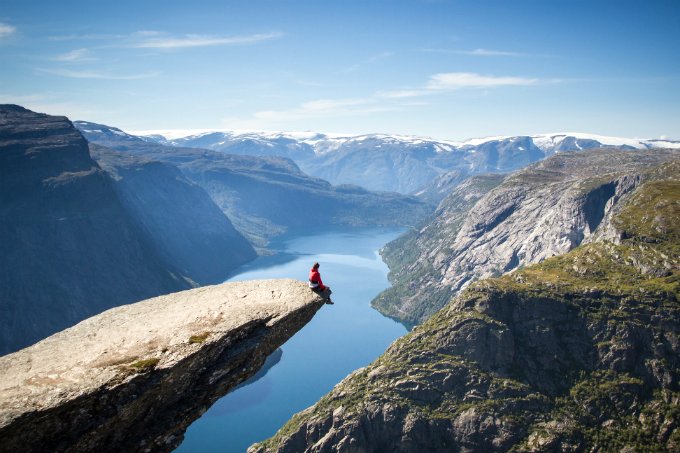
pixel 315 277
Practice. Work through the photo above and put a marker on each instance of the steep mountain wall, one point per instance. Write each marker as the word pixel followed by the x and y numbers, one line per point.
pixel 133 378
pixel 480 231
pixel 179 217
pixel 578 353
pixel 69 248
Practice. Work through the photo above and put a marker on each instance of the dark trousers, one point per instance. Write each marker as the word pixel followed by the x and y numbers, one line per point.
pixel 326 293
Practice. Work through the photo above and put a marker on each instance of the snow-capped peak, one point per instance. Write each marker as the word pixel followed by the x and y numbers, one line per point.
pixel 323 143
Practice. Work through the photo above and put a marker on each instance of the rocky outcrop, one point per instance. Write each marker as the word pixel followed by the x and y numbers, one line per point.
pixel 578 353
pixel 266 195
pixel 134 377
pixel 69 248
pixel 480 231
pixel 189 231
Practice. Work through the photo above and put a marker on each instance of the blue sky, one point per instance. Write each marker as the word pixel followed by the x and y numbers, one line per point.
pixel 438 68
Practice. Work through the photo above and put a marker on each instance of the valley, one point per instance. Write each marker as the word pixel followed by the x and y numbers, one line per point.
pixel 540 282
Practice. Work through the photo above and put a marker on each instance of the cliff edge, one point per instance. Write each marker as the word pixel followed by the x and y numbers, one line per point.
pixel 490 225
pixel 134 377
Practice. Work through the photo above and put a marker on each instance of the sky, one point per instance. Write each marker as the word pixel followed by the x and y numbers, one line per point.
pixel 447 69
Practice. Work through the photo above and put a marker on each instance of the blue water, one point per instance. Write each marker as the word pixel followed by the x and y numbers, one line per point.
pixel 340 338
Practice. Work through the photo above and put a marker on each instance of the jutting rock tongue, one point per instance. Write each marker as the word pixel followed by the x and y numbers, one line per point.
pixel 134 377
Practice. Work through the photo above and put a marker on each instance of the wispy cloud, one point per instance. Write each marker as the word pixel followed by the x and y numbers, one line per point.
pixel 486 53
pixel 97 75
pixel 370 60
pixel 407 93
pixel 152 39
pixel 168 42
pixel 460 80
pixel 493 53
pixel 6 30
pixel 451 81
pixel 325 108
pixel 86 37
pixel 74 55
pixel 385 101
pixel 381 56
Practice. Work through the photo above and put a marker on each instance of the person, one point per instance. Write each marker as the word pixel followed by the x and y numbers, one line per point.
pixel 316 284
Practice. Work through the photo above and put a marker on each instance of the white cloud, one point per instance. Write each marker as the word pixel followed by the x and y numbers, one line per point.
pixel 451 81
pixel 74 55
pixel 493 53
pixel 481 53
pixel 383 101
pixel 398 94
pixel 202 41
pixel 460 80
pixel 97 75
pixel 6 30
pixel 325 108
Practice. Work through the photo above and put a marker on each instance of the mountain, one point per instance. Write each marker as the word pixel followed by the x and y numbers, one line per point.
pixel 491 225
pixel 135 377
pixel 179 217
pixel 577 353
pixel 267 195
pixel 397 163
pixel 69 247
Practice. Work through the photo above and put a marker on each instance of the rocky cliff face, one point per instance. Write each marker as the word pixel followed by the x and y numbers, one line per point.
pixel 266 195
pixel 189 231
pixel 578 353
pixel 482 231
pixel 69 248
pixel 134 377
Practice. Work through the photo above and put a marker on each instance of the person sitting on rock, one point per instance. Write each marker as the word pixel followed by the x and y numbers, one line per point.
pixel 317 285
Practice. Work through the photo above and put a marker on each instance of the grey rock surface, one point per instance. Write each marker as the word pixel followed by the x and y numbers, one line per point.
pixel 544 210
pixel 187 228
pixel 134 377
pixel 69 248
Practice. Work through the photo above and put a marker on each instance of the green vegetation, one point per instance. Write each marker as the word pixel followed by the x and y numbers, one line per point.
pixel 200 338
pixel 607 411
pixel 145 364
pixel 591 336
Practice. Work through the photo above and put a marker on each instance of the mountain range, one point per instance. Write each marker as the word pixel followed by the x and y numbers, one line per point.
pixel 404 164
pixel 266 195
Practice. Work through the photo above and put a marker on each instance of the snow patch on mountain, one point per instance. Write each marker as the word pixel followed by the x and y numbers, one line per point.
pixel 323 143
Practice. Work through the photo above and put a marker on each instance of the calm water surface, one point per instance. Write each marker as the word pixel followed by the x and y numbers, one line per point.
pixel 340 338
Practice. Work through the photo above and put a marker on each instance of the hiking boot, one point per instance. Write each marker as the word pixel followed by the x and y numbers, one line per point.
pixel 330 302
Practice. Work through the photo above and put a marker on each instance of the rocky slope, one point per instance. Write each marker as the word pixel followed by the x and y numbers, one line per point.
pixel 397 163
pixel 481 230
pixel 134 377
pixel 69 248
pixel 265 196
pixel 187 228
pixel 578 353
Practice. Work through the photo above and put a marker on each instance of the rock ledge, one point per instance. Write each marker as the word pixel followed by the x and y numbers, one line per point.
pixel 134 377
